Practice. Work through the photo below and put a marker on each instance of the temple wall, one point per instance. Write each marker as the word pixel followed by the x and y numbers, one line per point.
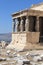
pixel 26 37
pixel 19 37
pixel 33 37
pixel 23 40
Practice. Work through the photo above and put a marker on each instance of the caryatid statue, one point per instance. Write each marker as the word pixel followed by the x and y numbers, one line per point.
pixel 37 24
pixel 17 25
pixel 13 26
pixel 27 24
pixel 21 25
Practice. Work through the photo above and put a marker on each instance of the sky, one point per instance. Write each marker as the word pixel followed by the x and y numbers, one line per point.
pixel 7 7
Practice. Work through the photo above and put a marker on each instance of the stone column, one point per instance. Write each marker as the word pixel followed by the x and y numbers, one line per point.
pixel 13 25
pixel 27 24
pixel 21 25
pixel 37 24
pixel 17 25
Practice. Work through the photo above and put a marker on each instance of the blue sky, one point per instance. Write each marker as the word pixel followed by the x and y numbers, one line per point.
pixel 7 7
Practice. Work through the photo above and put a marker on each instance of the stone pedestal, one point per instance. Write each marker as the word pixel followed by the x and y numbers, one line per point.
pixel 32 37
pixel 21 40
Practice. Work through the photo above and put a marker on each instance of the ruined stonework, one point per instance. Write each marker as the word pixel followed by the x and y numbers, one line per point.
pixel 29 28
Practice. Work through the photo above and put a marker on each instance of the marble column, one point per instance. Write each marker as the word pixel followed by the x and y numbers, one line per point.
pixel 27 24
pixel 37 24
pixel 13 25
pixel 21 25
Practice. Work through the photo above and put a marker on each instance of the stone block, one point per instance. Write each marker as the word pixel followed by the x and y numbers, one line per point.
pixel 21 40
pixel 33 37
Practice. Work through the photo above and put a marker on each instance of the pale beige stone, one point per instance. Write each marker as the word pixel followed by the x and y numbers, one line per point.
pixel 22 41
pixel 39 7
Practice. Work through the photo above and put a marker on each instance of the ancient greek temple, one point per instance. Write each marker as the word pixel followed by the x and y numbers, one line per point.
pixel 27 25
pixel 29 20
pixel 26 20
